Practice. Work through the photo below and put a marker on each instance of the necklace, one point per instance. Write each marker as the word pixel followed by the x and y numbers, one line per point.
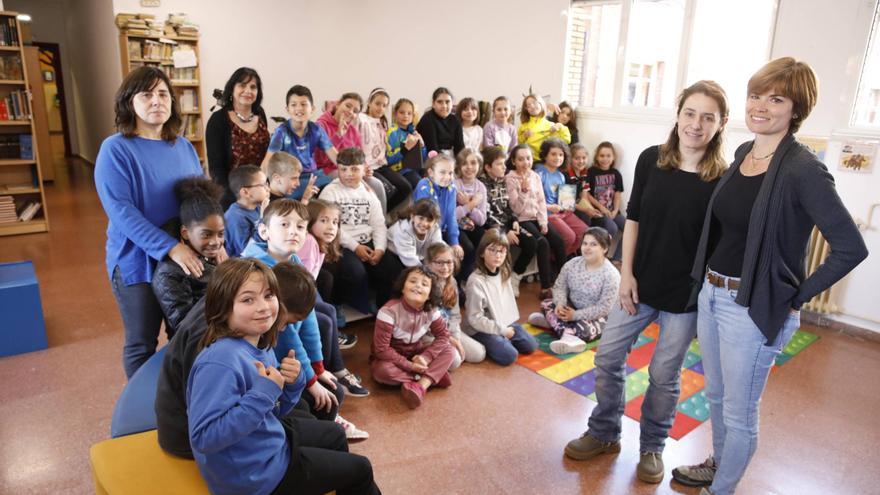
pixel 761 158
pixel 243 119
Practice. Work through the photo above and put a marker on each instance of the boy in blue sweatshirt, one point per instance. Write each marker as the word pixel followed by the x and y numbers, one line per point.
pixel 439 187
pixel 251 190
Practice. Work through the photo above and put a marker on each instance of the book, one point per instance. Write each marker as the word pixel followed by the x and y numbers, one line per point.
pixel 567 196
pixel 29 211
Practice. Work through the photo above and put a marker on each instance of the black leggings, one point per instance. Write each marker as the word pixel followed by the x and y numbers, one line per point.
pixel 402 186
pixel 554 244
pixel 469 240
pixel 329 336
pixel 321 463
pixel 530 246
pixel 355 277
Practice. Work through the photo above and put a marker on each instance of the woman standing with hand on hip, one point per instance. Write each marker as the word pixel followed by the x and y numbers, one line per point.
pixel 135 175
pixel 750 262
pixel 672 186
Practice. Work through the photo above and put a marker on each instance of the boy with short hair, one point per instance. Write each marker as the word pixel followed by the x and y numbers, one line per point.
pixel 300 137
pixel 284 227
pixel 248 183
pixel 283 171
pixel 362 231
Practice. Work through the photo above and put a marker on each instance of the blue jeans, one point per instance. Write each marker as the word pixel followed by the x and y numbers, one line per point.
pixel 504 351
pixel 677 330
pixel 736 363
pixel 141 319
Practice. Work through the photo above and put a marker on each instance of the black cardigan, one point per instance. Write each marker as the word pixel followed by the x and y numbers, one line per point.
pixel 441 134
pixel 797 193
pixel 218 141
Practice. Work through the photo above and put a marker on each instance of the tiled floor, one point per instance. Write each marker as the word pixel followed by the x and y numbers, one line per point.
pixel 497 430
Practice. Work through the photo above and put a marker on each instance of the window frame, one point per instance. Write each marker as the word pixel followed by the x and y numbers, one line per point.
pixel 854 128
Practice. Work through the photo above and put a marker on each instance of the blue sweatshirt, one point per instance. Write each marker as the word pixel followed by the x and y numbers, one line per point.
pixel 135 180
pixel 551 182
pixel 445 198
pixel 237 440
pixel 303 337
pixel 394 148
pixel 241 224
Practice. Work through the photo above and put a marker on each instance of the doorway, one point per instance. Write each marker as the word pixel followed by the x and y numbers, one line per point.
pixel 53 92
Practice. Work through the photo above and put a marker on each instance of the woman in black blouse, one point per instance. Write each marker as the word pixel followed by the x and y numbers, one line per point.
pixel 750 263
pixel 237 134
pixel 671 189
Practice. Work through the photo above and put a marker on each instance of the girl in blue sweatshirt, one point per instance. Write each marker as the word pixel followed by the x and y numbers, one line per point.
pixel 237 392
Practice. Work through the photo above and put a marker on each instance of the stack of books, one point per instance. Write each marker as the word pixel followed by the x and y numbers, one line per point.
pixel 27 214
pixel 10 68
pixel 136 24
pixel 7 210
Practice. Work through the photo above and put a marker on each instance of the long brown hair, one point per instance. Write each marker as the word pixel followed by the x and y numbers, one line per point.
pixel 137 81
pixel 220 300
pixel 494 237
pixel 712 165
pixel 449 294
pixel 332 250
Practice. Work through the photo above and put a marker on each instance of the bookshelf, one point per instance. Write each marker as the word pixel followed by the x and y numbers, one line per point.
pixel 138 49
pixel 21 181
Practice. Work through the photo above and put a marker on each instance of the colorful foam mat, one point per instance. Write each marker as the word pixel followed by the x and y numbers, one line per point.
pixel 577 372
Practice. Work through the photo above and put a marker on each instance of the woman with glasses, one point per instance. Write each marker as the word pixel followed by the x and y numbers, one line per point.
pixel 135 174
pixel 491 312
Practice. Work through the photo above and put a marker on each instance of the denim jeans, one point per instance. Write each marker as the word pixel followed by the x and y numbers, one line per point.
pixel 677 330
pixel 141 319
pixel 504 351
pixel 736 363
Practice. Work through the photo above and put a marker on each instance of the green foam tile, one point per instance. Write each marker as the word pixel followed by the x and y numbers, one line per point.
pixel 783 358
pixel 696 406
pixel 799 341
pixel 636 384
pixel 643 339
pixel 690 359
pixel 695 347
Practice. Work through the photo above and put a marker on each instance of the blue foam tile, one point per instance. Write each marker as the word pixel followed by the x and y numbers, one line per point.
pixel 698 367
pixel 583 384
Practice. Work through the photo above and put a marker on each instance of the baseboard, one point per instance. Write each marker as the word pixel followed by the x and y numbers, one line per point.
pixel 83 158
pixel 846 328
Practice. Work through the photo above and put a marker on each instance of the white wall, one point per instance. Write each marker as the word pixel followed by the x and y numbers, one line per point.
pixel 831 37
pixel 406 46
pixel 47 25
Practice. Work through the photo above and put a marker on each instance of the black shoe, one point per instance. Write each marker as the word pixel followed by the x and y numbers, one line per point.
pixel 697 475
pixel 352 384
pixel 347 340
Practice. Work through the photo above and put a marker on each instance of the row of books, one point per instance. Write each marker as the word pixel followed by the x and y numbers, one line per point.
pixel 181 76
pixel 151 50
pixel 15 106
pixel 148 25
pixel 10 67
pixel 189 100
pixel 190 128
pixel 8 32
pixel 8 212
pixel 16 146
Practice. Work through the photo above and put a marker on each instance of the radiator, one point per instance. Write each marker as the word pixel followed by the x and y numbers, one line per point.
pixel 816 254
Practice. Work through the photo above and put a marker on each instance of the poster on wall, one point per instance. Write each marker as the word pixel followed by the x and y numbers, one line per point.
pixel 857 156
pixel 818 145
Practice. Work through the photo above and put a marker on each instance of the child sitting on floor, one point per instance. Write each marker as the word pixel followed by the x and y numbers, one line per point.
pixel 398 356
pixel 248 183
pixel 492 313
pixel 201 228
pixel 237 393
pixel 584 294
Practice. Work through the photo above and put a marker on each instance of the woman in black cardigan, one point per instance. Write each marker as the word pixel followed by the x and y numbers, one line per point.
pixel 750 262
pixel 237 134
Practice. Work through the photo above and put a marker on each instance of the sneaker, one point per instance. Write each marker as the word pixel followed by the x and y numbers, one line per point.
pixel 568 344
pixel 351 431
pixel 347 340
pixel 444 382
pixel 537 319
pixel 413 394
pixel 696 475
pixel 587 446
pixel 352 384
pixel 650 469
pixel 706 491
pixel 545 294
pixel 515 279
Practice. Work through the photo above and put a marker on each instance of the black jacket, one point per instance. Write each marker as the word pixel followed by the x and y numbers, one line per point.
pixel 441 134
pixel 177 292
pixel 797 193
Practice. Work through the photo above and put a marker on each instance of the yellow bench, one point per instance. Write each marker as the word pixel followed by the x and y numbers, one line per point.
pixel 135 465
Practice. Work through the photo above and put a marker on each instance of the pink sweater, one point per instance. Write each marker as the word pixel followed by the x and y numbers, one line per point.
pixel 311 256
pixel 372 140
pixel 529 205
pixel 351 139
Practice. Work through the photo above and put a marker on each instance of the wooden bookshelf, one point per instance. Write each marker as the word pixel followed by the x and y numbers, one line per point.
pixel 20 176
pixel 185 83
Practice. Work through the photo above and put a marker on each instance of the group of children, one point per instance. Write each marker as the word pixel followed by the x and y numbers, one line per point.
pixel 312 220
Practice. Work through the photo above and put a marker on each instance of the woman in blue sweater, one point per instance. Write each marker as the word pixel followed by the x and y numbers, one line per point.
pixel 135 175
pixel 238 392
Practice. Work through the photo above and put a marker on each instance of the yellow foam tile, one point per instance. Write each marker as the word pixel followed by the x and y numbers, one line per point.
pixel 533 330
pixel 570 368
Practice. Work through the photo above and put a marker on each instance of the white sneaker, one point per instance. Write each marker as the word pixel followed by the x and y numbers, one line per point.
pixel 568 344
pixel 351 431
pixel 539 320
pixel 515 279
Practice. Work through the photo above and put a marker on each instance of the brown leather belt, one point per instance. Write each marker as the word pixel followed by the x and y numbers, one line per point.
pixel 722 281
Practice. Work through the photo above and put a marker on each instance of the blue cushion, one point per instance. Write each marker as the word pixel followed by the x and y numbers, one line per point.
pixel 135 411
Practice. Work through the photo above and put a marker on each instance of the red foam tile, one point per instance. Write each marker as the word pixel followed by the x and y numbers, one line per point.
pixel 652 331
pixel 641 357
pixel 537 360
pixel 633 408
pixel 683 425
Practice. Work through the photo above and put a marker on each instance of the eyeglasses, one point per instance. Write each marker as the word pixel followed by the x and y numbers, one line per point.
pixel 264 184
pixel 497 250
pixel 443 263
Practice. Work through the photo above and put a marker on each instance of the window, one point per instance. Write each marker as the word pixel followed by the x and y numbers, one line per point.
pixel 648 69
pixel 867 109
